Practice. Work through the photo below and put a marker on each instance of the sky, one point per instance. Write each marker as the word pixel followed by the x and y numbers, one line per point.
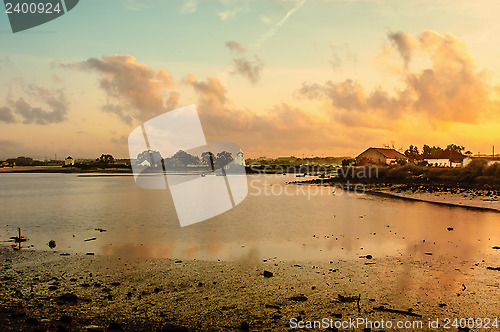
pixel 278 78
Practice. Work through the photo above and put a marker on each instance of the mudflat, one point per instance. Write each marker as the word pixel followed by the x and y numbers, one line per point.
pixel 43 290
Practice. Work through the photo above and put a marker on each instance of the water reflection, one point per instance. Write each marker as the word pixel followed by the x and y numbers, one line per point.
pixel 275 220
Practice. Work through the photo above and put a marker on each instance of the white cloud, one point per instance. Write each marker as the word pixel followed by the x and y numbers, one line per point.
pixel 189 7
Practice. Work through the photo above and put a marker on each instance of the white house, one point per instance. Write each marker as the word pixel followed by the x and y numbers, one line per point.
pixel 448 158
pixel 69 161
pixel 380 156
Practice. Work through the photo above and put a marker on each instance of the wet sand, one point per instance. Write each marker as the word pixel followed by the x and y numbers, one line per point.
pixel 43 291
pixel 443 198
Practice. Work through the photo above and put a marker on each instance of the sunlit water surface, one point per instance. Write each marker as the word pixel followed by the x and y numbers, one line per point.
pixel 289 222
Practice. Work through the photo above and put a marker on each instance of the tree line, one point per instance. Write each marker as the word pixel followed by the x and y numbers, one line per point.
pixel 429 151
pixel 182 159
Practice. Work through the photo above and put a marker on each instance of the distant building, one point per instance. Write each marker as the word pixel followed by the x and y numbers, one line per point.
pixel 489 160
pixel 69 161
pixel 448 158
pixel 239 159
pixel 380 156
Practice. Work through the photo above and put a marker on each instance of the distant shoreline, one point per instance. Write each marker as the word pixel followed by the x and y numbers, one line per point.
pixel 59 169
pixel 428 200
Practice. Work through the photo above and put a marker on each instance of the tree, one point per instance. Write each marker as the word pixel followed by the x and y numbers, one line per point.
pixel 223 158
pixel 348 162
pixel 153 157
pixel 428 151
pixel 456 148
pixel 105 159
pixel 185 158
pixel 208 159
pixel 412 152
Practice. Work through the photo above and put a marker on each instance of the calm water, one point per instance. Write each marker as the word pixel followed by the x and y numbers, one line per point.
pixel 301 223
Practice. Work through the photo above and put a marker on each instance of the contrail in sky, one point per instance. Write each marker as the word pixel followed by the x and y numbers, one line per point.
pixel 271 32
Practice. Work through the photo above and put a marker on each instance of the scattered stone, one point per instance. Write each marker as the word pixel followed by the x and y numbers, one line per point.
pixel 32 321
pixel 69 297
pixel 348 298
pixel 115 326
pixel 64 254
pixel 299 298
pixel 272 306
pixel 228 307
pixel 395 311
pixel 268 274
pixel 173 328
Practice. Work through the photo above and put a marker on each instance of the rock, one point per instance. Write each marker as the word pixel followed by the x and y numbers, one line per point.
pixel 52 244
pixel 69 297
pixel 369 256
pixel 450 229
pixel 53 287
pixel 32 321
pixel 272 306
pixel 90 254
pixel 116 283
pixel 496 247
pixel 94 328
pixel 298 298
pixel 442 305
pixel 173 328
pixel 493 268
pixel 115 326
pixel 268 274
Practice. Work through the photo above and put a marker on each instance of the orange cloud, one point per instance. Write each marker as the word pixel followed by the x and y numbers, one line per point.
pixel 452 89
pixel 139 85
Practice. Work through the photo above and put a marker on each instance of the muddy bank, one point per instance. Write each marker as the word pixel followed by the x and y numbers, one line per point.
pixel 43 291
pixel 472 199
pixel 481 199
